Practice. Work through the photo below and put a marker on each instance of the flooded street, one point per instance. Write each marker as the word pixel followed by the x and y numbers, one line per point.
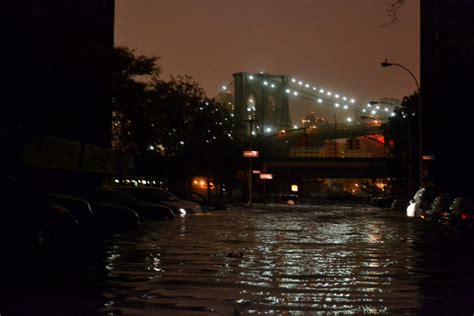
pixel 273 260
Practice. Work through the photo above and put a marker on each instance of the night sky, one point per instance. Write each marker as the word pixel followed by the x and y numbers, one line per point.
pixel 335 44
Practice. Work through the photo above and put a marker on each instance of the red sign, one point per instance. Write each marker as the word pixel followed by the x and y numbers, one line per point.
pixel 266 176
pixel 250 153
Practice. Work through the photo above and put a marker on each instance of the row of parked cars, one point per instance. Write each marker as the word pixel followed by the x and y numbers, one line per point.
pixel 35 218
pixel 458 211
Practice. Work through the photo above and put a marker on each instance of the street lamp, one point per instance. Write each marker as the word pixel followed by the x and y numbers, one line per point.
pixel 420 138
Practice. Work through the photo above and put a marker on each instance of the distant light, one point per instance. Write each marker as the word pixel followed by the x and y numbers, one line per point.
pixel 117 181
pixel 345 107
pixel 287 90
pixel 344 98
pixel 295 93
pixel 369 105
pixel 295 127
pixel 320 101
pixel 181 142
pixel 268 129
pixel 364 110
pixel 314 88
pixel 392 114
pixel 336 96
pixel 329 93
pixel 321 90
pixel 300 83
pixel 374 112
pixel 349 119
pixel 224 88
pixel 386 109
pixel 377 107
pixel 249 109
pixel 306 85
pixel 336 105
pixel 253 133
pixel 293 80
pixel 352 100
pixel 251 77
pixel 265 83
pixel 151 147
pixel 294 188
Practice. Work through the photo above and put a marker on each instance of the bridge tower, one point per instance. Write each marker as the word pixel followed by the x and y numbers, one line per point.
pixel 262 97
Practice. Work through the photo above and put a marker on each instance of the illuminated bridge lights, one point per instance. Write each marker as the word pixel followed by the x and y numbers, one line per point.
pixel 308 91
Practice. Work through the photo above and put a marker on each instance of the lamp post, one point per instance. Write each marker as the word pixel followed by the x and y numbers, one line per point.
pixel 250 171
pixel 420 138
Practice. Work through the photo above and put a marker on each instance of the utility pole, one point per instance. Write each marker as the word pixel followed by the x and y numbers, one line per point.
pixel 335 137
pixel 250 171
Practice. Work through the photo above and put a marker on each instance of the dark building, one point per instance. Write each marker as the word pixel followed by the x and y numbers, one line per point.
pixel 447 85
pixel 56 73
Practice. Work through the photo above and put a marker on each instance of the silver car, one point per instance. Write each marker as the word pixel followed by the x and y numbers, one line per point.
pixel 157 195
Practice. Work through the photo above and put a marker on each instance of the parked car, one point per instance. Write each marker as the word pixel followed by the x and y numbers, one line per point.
pixel 145 210
pixel 205 203
pixel 381 201
pixel 438 207
pixel 109 217
pixel 157 195
pixel 420 201
pixel 287 198
pixel 28 218
pixel 461 212
pixel 79 208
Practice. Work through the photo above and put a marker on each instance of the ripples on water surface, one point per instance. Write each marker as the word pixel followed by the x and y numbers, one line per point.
pixel 296 260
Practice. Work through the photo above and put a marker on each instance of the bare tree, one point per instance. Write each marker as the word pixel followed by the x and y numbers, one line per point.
pixel 392 10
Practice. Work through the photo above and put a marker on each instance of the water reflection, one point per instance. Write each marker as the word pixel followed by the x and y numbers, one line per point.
pixel 295 259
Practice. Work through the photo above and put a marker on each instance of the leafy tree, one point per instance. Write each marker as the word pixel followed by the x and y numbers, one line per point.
pixel 172 125
pixel 193 131
pixel 131 75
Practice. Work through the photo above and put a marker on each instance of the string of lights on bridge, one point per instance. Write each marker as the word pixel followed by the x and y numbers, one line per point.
pixel 320 95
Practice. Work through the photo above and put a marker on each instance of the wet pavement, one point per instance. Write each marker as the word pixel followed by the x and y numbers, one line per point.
pixel 272 260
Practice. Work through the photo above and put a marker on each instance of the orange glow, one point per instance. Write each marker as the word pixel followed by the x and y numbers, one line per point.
pixel 200 183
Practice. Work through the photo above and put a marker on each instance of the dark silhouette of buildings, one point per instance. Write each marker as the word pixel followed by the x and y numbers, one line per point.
pixel 447 70
pixel 56 73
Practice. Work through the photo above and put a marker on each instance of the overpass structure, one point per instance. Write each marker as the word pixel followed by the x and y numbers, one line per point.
pixel 305 153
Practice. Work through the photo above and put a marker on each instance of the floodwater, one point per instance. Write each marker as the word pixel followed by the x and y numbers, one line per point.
pixel 272 260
